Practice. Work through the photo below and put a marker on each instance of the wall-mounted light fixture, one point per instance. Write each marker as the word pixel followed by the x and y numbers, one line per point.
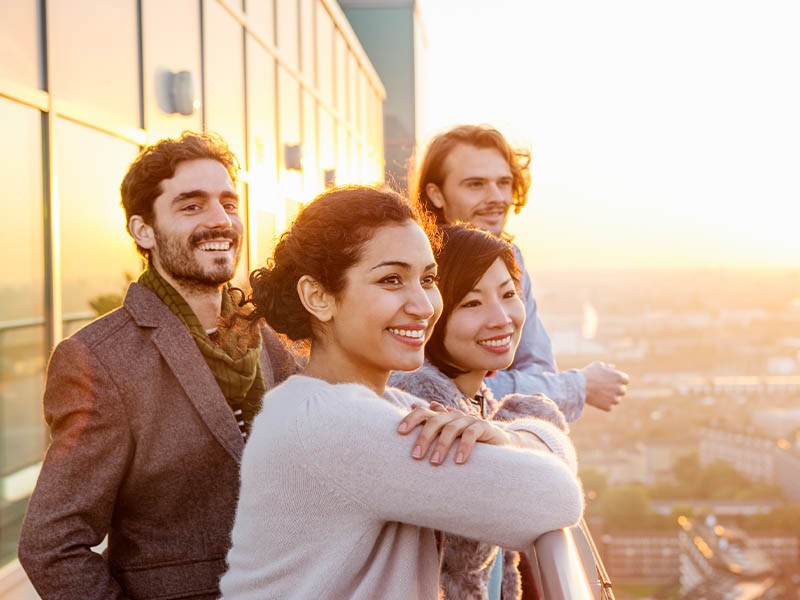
pixel 330 178
pixel 176 92
pixel 293 157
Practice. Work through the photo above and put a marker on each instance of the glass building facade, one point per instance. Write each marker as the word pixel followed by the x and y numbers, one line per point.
pixel 84 84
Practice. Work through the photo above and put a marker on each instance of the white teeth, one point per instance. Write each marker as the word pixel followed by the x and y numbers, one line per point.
pixel 416 334
pixel 496 343
pixel 215 246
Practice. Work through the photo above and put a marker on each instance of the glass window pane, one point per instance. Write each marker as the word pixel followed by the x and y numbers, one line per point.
pixel 341 75
pixel 311 171
pixel 307 40
pixel 224 64
pixel 169 49
pixel 352 91
pixel 261 18
pixel 21 279
pixel 327 143
pixel 242 274
pixel 288 44
pixel 22 333
pixel 291 181
pixel 92 218
pixel 325 54
pixel 94 56
pixel 344 168
pixel 19 44
pixel 266 208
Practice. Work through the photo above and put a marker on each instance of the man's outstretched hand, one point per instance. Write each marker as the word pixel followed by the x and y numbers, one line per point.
pixel 605 385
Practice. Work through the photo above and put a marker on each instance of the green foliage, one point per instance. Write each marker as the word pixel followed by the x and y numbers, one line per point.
pixel 624 507
pixel 594 482
pixel 105 303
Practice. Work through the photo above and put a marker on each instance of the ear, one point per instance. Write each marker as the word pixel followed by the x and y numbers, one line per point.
pixel 435 194
pixel 316 299
pixel 141 232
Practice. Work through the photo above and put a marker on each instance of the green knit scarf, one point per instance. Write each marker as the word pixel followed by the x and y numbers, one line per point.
pixel 231 352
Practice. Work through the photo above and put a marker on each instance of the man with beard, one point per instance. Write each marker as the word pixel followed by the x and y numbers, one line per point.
pixel 149 407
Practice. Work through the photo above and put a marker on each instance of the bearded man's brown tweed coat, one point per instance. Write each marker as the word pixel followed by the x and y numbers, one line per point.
pixel 144 449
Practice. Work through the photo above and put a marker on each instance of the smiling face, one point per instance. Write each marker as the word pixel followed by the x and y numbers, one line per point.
pixel 196 230
pixel 478 188
pixel 483 330
pixel 386 311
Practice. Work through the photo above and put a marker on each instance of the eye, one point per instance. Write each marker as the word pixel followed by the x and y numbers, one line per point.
pixel 430 280
pixel 475 185
pixel 505 183
pixel 470 304
pixel 231 207
pixel 391 280
pixel 191 208
pixel 510 293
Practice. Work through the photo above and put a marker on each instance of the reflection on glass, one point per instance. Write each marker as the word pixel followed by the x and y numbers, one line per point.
pixel 311 172
pixel 96 63
pixel 325 52
pixel 307 40
pixel 327 142
pixel 261 19
pixel 288 44
pixel 224 64
pixel 21 279
pixel 98 257
pixel 22 332
pixel 241 277
pixel 19 46
pixel 341 75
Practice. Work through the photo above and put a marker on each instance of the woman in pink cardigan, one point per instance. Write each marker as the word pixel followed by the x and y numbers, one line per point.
pixel 344 481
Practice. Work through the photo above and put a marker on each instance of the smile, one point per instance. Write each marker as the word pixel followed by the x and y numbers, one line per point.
pixel 209 246
pixel 414 334
pixel 497 342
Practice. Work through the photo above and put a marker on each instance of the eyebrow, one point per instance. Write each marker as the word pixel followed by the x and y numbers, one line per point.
pixel 202 194
pixel 401 264
pixel 502 285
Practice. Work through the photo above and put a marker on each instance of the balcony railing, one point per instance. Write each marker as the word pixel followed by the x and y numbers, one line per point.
pixel 569 566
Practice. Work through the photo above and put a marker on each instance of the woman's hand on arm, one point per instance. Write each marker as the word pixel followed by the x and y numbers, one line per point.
pixel 442 428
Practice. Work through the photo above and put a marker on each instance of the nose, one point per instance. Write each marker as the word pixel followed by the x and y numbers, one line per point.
pixel 218 216
pixel 496 193
pixel 497 315
pixel 423 303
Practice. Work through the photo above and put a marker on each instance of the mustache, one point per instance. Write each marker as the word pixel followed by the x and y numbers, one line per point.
pixel 228 233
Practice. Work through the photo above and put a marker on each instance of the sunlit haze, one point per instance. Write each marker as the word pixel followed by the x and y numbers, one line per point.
pixel 663 133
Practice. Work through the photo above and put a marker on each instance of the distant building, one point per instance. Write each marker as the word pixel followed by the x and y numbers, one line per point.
pixel 775 462
pixel 744 386
pixel 392 33
pixel 750 454
pixel 631 557
pixel 720 562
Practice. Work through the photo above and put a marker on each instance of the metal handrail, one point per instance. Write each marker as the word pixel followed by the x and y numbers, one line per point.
pixel 569 567
pixel 602 574
pixel 561 572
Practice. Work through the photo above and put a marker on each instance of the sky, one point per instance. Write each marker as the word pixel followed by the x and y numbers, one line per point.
pixel 663 133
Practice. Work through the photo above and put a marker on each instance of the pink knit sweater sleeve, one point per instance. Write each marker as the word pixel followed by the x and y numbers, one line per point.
pixel 348 436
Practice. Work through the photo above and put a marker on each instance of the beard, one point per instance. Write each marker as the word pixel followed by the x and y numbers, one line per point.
pixel 177 258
